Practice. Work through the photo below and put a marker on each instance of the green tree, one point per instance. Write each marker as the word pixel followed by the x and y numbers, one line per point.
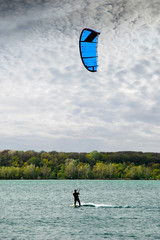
pixel 16 161
pixel 111 171
pixel 135 172
pixel 45 172
pixel 93 157
pixel 5 158
pixel 60 171
pixel 30 172
pixel 83 170
pixel 99 170
pixel 10 173
pixel 71 169
pixel 119 173
pixel 33 160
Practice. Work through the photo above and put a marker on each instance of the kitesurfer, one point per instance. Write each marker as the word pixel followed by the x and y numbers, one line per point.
pixel 76 197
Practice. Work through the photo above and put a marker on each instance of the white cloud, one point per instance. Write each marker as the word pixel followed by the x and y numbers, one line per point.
pixel 49 101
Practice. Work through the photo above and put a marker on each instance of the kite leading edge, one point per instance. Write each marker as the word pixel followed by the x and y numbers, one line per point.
pixel 88 48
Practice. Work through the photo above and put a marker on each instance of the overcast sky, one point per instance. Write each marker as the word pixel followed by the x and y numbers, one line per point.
pixel 49 101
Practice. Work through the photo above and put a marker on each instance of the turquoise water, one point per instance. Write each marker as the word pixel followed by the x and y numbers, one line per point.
pixel 41 209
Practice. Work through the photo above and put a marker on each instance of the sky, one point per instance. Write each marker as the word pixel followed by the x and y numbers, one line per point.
pixel 49 101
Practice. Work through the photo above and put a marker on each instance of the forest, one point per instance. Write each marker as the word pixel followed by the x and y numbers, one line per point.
pixel 94 165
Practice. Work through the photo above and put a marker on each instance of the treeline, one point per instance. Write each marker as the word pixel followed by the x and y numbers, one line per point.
pixel 94 165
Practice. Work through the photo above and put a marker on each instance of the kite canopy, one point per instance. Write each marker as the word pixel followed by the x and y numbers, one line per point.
pixel 88 48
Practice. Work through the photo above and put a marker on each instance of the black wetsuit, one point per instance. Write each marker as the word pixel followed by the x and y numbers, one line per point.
pixel 76 198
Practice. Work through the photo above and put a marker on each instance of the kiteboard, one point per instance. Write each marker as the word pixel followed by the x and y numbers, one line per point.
pixel 74 205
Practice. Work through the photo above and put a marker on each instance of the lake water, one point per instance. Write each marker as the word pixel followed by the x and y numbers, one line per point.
pixel 41 209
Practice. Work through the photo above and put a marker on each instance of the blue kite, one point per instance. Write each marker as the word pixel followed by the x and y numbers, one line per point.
pixel 88 48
